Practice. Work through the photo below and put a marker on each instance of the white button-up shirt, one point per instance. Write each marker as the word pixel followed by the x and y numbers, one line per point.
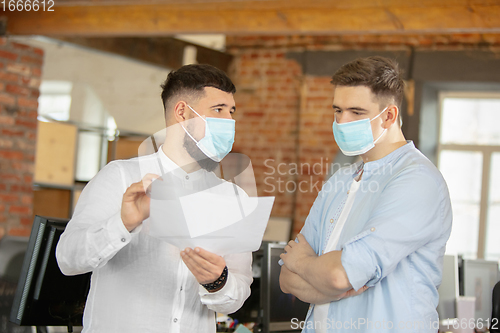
pixel 139 283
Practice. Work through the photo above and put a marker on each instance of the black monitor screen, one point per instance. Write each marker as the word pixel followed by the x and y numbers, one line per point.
pixel 279 308
pixel 44 296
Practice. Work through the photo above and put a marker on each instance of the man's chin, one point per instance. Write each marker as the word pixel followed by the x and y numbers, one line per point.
pixel 203 161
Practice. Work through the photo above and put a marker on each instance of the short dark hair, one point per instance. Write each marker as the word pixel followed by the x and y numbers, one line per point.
pixel 381 75
pixel 190 80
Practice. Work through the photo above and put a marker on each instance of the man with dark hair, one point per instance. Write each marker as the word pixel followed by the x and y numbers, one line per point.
pixel 369 257
pixel 140 283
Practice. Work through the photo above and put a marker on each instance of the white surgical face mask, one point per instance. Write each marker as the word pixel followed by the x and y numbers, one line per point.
pixel 355 137
pixel 219 137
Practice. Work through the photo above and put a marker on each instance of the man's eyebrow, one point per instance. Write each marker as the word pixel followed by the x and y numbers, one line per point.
pixel 354 108
pixel 223 105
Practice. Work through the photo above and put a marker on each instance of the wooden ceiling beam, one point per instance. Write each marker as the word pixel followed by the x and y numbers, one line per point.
pixel 165 52
pixel 258 17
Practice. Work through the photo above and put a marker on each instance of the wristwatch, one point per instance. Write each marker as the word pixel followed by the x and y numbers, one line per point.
pixel 217 284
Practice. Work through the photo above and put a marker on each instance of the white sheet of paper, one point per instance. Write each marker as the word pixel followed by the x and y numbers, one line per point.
pixel 206 212
pixel 221 224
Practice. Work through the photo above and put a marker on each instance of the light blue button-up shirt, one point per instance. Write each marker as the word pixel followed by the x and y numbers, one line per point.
pixel 393 242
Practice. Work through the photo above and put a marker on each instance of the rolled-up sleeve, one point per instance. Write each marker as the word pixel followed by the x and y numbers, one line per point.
pixel 410 212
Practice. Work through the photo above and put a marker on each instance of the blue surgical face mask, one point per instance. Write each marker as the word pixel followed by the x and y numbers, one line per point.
pixel 219 137
pixel 355 137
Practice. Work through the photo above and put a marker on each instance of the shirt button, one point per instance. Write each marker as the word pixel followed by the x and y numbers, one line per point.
pixel 187 177
pixel 372 229
pixel 175 320
pixel 331 220
pixel 348 192
pixel 123 239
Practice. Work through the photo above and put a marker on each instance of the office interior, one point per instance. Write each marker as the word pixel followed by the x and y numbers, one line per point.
pixel 80 88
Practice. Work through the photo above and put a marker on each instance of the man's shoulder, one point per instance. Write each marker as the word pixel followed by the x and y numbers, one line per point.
pixel 415 166
pixel 134 165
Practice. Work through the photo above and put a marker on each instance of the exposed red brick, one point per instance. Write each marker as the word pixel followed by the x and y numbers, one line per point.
pixel 25 123
pixel 27 200
pixel 19 231
pixel 14 155
pixel 36 72
pixel 19 210
pixel 7 99
pixel 9 77
pixel 21 47
pixel 21 188
pixel 27 102
pixel 8 55
pixel 18 69
pixel 10 177
pixel 6 143
pixel 32 60
pixel 17 90
pixel 9 132
pixel 6 120
pixel 31 82
pixel 38 51
pixel 18 127
pixel 9 198
pixel 26 221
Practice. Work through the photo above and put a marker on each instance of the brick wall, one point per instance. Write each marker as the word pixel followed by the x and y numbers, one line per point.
pixel 20 72
pixel 284 117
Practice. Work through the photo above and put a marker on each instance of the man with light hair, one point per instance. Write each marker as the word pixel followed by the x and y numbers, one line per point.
pixel 369 257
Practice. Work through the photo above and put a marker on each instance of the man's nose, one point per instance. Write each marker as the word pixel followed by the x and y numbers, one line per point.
pixel 340 118
pixel 226 115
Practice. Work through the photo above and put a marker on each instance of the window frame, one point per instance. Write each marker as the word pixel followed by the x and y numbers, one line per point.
pixel 486 151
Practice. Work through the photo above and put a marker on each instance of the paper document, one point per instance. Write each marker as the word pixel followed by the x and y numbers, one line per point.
pixel 221 218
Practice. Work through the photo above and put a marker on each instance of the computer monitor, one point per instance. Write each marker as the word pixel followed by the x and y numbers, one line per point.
pixel 448 290
pixel 278 308
pixel 44 296
pixel 479 279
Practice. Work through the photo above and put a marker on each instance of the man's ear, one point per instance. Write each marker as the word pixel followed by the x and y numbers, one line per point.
pixel 180 111
pixel 391 115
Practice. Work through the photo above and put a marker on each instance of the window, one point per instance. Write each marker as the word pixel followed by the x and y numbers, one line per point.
pixel 468 155
pixel 55 100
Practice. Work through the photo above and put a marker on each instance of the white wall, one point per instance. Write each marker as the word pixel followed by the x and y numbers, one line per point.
pixel 126 89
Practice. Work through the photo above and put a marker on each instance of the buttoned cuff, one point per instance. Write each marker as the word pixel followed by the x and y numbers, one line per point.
pixel 116 237
pixel 220 296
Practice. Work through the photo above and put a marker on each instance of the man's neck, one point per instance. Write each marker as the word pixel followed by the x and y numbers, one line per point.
pixel 178 154
pixel 384 148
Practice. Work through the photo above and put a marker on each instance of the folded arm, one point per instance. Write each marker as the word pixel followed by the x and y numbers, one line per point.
pixel 312 278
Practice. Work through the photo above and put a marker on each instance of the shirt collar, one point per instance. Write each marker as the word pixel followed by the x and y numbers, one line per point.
pixel 393 156
pixel 170 166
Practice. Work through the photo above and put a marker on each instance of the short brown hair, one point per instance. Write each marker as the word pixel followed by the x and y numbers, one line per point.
pixel 191 80
pixel 381 75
